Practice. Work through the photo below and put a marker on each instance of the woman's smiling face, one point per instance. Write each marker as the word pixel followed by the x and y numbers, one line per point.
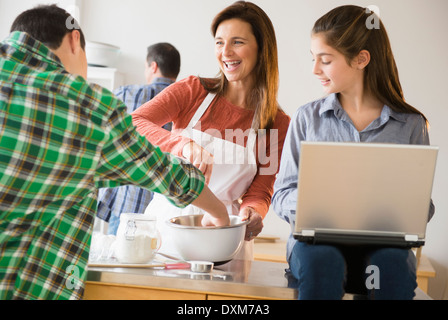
pixel 236 50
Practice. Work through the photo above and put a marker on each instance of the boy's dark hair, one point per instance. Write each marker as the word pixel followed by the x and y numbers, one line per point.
pixel 48 24
pixel 167 58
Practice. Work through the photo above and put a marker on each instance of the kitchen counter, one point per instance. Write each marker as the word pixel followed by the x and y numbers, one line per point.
pixel 237 279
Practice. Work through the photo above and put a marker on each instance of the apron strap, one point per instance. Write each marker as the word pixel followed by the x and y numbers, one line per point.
pixel 202 108
pixel 252 137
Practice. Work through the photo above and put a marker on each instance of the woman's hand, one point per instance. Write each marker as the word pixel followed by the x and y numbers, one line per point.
pixel 200 158
pixel 255 224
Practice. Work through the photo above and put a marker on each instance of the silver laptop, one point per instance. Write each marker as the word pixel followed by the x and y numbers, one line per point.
pixel 364 193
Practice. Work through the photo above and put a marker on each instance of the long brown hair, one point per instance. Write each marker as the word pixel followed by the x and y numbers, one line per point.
pixel 264 95
pixel 346 29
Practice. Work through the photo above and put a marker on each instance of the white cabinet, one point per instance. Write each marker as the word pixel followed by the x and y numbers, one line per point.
pixel 108 78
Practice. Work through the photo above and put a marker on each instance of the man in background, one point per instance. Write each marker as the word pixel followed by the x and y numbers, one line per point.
pixel 162 67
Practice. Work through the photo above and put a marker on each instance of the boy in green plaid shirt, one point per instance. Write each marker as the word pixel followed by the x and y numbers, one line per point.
pixel 61 138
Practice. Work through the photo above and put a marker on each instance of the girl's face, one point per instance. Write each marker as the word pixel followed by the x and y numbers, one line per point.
pixel 236 50
pixel 331 68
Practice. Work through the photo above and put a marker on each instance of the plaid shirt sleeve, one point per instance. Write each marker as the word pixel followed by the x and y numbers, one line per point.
pixel 128 158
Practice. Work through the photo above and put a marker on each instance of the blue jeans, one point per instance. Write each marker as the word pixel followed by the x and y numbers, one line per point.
pixel 327 271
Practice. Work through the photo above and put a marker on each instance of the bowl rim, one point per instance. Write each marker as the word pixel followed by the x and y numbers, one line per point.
pixel 175 225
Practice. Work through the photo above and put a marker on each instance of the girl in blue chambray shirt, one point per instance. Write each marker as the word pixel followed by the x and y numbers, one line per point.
pixel 353 61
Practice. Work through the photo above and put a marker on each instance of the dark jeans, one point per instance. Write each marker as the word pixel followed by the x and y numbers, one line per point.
pixel 328 272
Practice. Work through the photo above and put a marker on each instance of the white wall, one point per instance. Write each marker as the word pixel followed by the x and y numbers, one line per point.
pixel 416 29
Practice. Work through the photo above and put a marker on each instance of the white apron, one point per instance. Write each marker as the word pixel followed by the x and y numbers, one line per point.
pixel 234 168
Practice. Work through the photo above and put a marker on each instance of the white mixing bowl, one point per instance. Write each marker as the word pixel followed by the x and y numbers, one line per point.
pixel 215 244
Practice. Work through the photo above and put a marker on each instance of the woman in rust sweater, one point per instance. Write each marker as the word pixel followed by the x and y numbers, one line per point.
pixel 230 127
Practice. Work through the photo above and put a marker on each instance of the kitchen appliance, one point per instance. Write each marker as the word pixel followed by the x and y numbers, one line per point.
pixel 101 54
